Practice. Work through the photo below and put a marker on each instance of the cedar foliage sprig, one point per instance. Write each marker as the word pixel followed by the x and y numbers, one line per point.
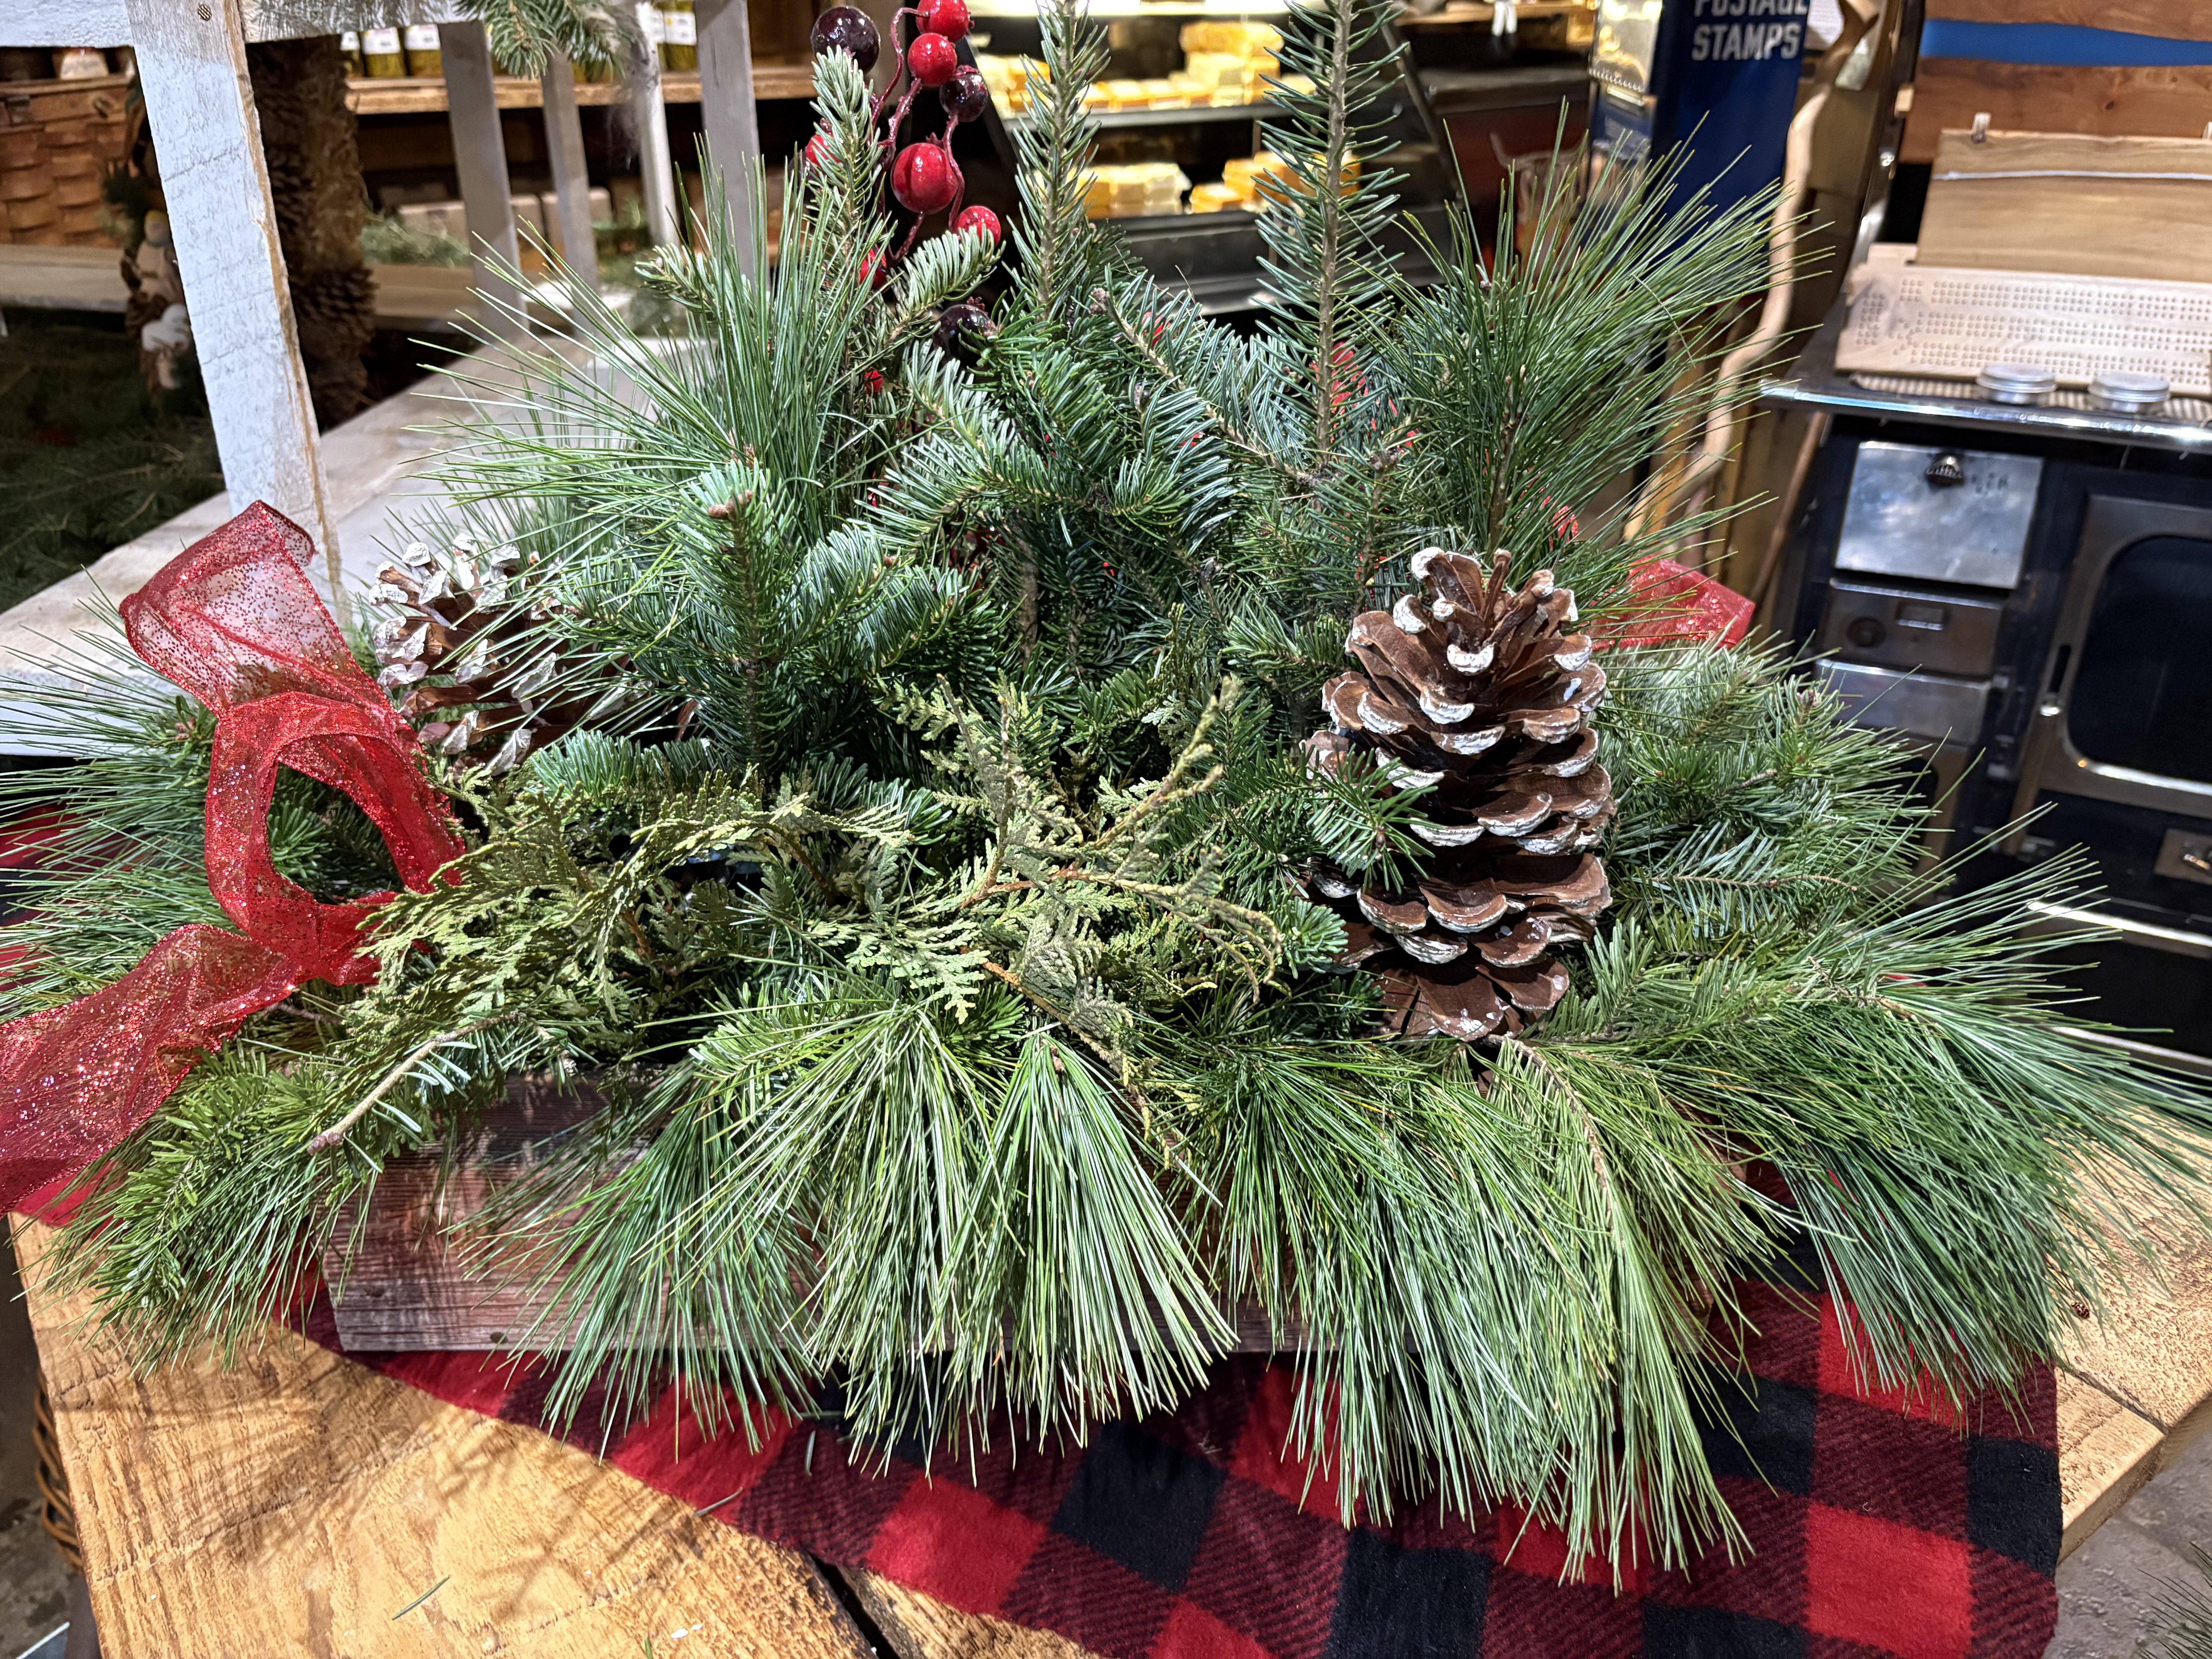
pixel 928 928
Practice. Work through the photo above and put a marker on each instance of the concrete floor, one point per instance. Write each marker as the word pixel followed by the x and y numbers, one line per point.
pixel 2107 1587
pixel 33 1584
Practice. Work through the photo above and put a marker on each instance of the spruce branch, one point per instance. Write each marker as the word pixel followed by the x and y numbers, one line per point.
pixel 1145 342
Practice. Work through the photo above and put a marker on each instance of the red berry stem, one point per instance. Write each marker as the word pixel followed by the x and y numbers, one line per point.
pixel 875 104
pixel 959 179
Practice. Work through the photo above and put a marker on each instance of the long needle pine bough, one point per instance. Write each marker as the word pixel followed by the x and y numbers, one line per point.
pixel 918 892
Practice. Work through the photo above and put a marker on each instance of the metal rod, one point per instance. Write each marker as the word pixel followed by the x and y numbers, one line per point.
pixel 480 157
pixel 572 185
pixel 725 102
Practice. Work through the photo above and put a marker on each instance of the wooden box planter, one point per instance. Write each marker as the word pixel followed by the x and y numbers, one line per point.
pixel 410 1285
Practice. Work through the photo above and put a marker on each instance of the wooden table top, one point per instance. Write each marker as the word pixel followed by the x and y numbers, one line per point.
pixel 300 1504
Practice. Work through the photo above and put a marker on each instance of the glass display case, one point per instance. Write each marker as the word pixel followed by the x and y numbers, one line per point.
pixel 1183 168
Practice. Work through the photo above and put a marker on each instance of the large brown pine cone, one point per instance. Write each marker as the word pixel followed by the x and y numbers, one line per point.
pixel 1477 689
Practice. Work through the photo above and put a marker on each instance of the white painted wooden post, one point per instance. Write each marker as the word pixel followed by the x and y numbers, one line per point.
pixel 726 98
pixel 651 112
pixel 192 69
pixel 480 157
pixel 572 185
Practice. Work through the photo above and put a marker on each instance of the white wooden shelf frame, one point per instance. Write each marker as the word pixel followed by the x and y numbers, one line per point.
pixel 199 101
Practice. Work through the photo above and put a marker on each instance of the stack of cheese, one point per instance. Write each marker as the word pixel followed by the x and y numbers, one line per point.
pixel 1010 78
pixel 1231 60
pixel 1255 181
pixel 1168 92
pixel 1136 190
pixel 1226 64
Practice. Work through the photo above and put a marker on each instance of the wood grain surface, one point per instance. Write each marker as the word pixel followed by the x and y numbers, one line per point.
pixel 416 1279
pixel 2105 1454
pixel 920 1628
pixel 2171 19
pixel 2091 204
pixel 2155 102
pixel 294 1505
pixel 2177 20
pixel 192 69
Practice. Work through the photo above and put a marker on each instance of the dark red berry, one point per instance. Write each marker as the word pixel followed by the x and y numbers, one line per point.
pixel 933 59
pixel 873 270
pixel 924 177
pixel 964 96
pixel 842 28
pixel 946 17
pixel 961 328
pixel 979 219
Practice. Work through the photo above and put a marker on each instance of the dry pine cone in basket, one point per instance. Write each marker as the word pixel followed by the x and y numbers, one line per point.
pixel 1479 690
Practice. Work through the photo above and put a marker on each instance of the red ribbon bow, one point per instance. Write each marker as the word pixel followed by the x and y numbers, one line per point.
pixel 235 620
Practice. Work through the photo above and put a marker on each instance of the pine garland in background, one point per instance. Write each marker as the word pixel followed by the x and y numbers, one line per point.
pixel 921 880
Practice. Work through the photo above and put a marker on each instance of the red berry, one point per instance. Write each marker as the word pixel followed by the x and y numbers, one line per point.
pixel 924 177
pixel 979 219
pixel 817 149
pixel 946 17
pixel 933 59
pixel 873 270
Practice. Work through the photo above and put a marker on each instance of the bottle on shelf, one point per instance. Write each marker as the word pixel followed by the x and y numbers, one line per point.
pixel 651 19
pixel 680 36
pixel 349 46
pixel 424 59
pixel 382 54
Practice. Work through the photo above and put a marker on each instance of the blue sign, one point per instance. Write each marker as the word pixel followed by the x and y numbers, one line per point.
pixel 1713 80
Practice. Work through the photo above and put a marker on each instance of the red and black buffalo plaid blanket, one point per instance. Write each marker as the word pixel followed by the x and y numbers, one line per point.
pixel 1879 1525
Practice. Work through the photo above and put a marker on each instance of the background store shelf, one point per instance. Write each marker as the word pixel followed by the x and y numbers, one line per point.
pixel 423 94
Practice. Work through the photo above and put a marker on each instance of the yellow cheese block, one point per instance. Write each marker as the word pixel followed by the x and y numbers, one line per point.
pixel 1238 39
pixel 1213 198
pixel 1215 69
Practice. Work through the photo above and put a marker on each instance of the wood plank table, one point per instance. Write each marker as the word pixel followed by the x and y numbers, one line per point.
pixel 295 1505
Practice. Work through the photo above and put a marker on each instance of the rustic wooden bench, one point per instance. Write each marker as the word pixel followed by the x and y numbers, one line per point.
pixel 296 1505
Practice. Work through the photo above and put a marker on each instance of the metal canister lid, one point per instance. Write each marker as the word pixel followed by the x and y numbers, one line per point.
pixel 2125 392
pixel 2016 383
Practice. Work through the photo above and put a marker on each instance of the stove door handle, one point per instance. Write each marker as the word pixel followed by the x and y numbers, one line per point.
pixel 2065 919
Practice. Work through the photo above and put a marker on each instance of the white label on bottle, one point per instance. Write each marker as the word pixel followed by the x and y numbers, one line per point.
pixel 682 28
pixel 421 37
pixel 349 41
pixel 378 42
pixel 654 25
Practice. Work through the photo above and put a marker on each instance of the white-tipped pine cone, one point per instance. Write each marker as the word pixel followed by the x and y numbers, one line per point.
pixel 459 646
pixel 1478 692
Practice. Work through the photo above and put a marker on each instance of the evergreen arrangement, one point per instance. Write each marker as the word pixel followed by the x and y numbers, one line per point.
pixel 916 775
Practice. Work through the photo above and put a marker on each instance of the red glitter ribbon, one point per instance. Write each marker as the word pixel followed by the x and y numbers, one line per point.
pixel 235 620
